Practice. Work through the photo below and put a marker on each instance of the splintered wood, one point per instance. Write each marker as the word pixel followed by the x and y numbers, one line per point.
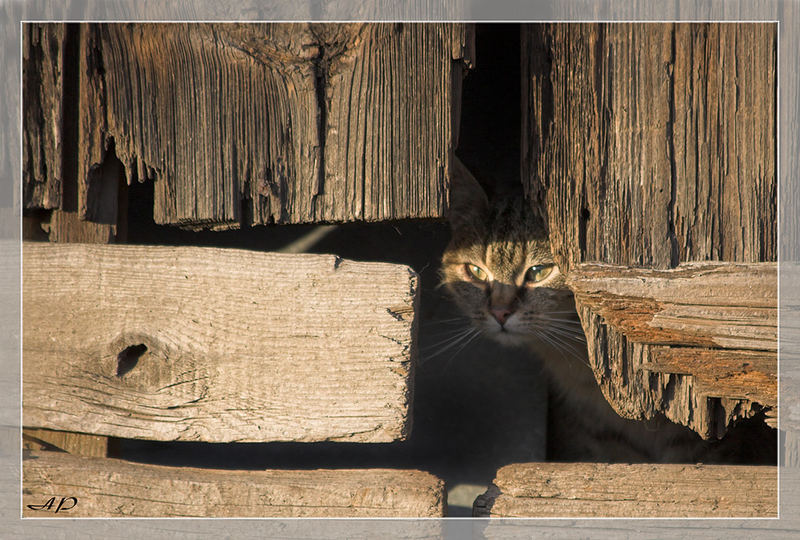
pixel 249 123
pixel 42 95
pixel 697 343
pixel 116 488
pixel 216 345
pixel 625 490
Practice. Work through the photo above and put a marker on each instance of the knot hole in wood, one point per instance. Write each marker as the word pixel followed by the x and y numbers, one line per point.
pixel 129 357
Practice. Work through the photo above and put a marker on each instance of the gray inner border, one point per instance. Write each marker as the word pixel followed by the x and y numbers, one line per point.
pixel 787 12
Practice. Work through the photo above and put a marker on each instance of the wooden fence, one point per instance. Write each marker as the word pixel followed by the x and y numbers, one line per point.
pixel 649 149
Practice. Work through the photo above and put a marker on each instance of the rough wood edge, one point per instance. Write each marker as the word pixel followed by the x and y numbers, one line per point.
pixel 619 367
pixel 641 371
pixel 719 305
pixel 746 375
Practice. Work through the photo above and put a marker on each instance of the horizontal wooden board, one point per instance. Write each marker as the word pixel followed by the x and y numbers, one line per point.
pixel 751 375
pixel 217 345
pixel 631 490
pixel 723 305
pixel 116 488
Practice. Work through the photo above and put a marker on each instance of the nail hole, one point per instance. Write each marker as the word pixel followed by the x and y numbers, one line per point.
pixel 129 357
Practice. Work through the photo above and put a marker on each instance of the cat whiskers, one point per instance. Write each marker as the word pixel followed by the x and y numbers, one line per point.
pixel 565 336
pixel 454 320
pixel 459 338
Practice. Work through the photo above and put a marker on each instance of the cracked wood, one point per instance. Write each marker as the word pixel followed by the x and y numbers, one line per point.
pixel 216 345
pixel 697 343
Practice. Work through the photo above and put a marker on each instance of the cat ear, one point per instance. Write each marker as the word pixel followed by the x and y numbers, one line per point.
pixel 469 206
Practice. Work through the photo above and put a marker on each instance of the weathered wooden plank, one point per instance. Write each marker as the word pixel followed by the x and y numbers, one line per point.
pixel 283 123
pixel 116 488
pixel 715 317
pixel 42 94
pixel 99 172
pixel 747 375
pixel 631 490
pixel 216 345
pixel 700 304
pixel 621 369
pixel 652 145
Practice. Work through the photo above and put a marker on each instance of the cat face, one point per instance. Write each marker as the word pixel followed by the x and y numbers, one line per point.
pixel 499 270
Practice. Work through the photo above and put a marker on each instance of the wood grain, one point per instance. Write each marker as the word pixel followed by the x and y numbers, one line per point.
pixel 116 488
pixel 68 227
pixel 631 490
pixel 703 304
pixel 697 343
pixel 652 144
pixel 274 123
pixel 216 345
pixel 746 375
pixel 42 95
pixel 98 173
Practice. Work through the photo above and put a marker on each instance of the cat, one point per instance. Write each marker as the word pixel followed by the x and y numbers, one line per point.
pixel 499 270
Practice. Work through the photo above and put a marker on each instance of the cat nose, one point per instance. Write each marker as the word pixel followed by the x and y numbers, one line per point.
pixel 500 314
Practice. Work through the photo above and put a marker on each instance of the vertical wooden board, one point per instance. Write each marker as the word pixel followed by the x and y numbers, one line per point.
pixel 213 114
pixel 293 123
pixel 68 227
pixel 724 138
pixel 381 88
pixel 652 144
pixel 42 93
pixel 116 488
pixel 98 174
pixel 216 345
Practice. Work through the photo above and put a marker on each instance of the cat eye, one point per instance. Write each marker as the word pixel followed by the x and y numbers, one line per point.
pixel 476 272
pixel 538 273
